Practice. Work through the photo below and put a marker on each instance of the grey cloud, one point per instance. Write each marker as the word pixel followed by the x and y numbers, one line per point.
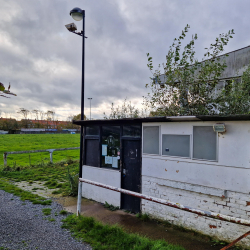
pixel 120 33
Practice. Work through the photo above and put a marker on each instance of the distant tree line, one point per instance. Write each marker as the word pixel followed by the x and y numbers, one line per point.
pixel 38 119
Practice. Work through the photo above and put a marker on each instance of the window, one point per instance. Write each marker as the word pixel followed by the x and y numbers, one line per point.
pixel 176 145
pixel 204 143
pixel 92 152
pixel 92 130
pixel 132 131
pixel 151 139
pixel 111 146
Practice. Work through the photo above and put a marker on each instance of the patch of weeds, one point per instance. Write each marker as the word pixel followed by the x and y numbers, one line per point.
pixel 51 184
pixel 101 236
pixel 51 219
pixel 127 211
pixel 46 211
pixel 143 217
pixel 46 202
pixel 56 214
pixel 73 180
pixel 218 242
pixel 64 212
pixel 110 206
pixel 57 192
pixel 34 189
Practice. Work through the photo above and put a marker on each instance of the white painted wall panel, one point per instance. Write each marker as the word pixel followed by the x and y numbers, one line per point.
pixel 105 176
pixel 226 178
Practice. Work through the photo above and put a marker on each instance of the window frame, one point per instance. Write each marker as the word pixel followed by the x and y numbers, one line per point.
pixel 174 156
pixel 160 143
pixel 216 146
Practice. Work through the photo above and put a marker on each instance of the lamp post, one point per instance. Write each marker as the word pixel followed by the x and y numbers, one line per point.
pixel 90 107
pixel 78 15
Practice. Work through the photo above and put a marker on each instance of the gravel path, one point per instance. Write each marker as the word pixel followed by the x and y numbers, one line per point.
pixel 23 226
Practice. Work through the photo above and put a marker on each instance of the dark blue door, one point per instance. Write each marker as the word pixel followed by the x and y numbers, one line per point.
pixel 131 175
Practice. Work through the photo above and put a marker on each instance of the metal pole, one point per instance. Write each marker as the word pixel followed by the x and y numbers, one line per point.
pixel 5 158
pixel 90 108
pixel 82 117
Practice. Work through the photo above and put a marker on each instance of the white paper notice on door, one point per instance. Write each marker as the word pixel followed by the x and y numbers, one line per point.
pixel 104 149
pixel 115 162
pixel 108 160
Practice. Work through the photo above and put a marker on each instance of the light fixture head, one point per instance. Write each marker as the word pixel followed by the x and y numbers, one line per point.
pixel 71 27
pixel 219 127
pixel 77 14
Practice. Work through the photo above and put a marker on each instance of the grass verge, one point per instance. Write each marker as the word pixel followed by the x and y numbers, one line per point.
pixel 103 237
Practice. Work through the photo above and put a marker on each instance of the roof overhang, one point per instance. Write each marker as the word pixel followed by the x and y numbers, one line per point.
pixel 126 121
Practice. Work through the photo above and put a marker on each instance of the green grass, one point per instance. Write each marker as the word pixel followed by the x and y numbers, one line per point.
pixel 37 142
pixel 143 217
pixel 102 237
pixel 64 212
pixel 47 211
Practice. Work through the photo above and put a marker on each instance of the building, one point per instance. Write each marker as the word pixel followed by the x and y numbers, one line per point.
pixel 179 159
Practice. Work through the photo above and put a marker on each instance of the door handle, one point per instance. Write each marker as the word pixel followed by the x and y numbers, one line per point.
pixel 136 153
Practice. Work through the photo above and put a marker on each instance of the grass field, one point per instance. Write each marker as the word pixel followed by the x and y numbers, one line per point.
pixel 35 142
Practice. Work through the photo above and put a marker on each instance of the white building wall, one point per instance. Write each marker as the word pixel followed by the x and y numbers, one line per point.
pixel 105 176
pixel 221 186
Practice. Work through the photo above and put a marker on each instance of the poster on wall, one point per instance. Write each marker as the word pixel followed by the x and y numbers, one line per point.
pixel 115 162
pixel 104 149
pixel 108 160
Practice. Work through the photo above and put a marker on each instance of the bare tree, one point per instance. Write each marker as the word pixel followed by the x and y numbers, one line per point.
pixel 36 112
pixel 50 115
pixel 41 113
pixel 24 112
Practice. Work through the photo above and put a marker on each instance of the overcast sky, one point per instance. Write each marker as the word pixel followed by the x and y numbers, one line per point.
pixel 42 60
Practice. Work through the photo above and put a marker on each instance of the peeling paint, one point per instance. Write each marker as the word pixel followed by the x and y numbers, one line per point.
pixel 212 226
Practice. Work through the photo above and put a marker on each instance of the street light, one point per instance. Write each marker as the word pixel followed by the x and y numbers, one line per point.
pixel 78 15
pixel 90 108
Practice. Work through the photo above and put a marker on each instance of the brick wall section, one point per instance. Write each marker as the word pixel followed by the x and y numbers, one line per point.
pixel 233 204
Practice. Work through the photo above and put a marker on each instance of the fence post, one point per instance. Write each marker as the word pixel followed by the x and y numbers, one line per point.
pixel 51 154
pixel 5 158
